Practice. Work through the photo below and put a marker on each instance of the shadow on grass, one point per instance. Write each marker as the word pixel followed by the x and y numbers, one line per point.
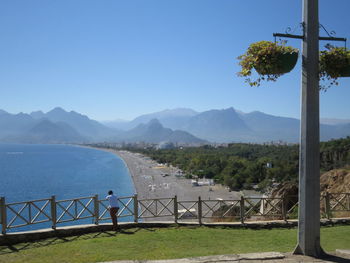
pixel 121 231
pixel 58 240
pixel 333 258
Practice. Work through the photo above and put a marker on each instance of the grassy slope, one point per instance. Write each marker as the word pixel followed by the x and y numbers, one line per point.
pixel 166 243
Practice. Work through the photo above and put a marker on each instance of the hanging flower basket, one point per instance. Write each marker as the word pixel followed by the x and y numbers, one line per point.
pixel 284 64
pixel 345 71
pixel 269 59
pixel 334 64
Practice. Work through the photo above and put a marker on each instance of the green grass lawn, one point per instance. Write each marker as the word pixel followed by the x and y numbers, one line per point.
pixel 166 243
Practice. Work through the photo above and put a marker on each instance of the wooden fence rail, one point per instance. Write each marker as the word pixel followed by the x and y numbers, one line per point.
pixel 19 214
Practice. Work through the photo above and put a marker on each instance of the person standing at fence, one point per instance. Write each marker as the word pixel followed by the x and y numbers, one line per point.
pixel 113 208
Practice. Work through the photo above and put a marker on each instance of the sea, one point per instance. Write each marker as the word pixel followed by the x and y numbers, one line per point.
pixel 34 171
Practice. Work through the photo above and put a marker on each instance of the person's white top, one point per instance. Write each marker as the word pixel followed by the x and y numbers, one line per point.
pixel 113 200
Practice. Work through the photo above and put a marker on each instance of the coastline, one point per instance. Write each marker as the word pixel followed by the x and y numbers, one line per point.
pixel 153 181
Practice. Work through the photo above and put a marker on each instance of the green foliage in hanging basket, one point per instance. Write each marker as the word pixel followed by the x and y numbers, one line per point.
pixel 269 59
pixel 334 63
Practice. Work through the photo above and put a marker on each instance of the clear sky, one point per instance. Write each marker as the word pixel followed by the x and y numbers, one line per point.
pixel 112 59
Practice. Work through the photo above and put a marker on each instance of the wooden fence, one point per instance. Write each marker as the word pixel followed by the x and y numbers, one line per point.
pixel 245 209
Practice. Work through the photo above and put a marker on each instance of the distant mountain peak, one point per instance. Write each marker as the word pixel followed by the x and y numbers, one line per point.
pixel 179 112
pixel 38 111
pixel 21 114
pixel 154 125
pixel 59 114
pixel 57 110
pixel 226 110
pixel 37 114
pixel 154 132
pixel 154 121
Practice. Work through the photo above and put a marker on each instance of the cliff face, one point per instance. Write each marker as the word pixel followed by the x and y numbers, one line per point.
pixel 336 181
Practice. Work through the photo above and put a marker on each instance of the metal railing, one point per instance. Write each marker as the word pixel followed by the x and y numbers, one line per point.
pixel 245 209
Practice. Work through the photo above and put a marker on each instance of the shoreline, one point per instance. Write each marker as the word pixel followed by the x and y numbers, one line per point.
pixel 152 180
pixel 115 152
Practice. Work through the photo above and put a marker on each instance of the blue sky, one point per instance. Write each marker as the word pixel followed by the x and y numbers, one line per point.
pixel 114 59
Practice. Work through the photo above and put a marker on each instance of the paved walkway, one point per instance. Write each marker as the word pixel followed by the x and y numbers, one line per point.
pixel 341 256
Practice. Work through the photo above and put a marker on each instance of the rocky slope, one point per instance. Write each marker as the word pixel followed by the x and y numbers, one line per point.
pixel 336 181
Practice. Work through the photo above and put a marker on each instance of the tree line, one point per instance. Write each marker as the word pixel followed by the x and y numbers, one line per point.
pixel 243 165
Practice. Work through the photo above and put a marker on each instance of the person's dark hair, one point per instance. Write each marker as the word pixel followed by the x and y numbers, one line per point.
pixel 110 192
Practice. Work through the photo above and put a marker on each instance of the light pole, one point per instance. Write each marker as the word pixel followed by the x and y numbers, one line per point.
pixel 309 152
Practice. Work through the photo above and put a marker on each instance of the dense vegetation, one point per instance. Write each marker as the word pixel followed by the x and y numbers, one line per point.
pixel 244 165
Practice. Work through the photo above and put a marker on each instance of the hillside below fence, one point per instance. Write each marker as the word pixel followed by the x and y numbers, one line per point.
pixel 56 213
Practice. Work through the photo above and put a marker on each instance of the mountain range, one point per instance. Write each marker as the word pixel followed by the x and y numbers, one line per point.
pixel 60 126
pixel 231 125
pixel 184 126
pixel 55 126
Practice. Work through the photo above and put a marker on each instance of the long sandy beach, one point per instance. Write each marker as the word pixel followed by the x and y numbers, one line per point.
pixel 153 180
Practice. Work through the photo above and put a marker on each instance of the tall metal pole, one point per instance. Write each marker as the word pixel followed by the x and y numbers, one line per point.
pixel 309 167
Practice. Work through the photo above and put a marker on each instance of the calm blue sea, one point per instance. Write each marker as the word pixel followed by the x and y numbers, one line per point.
pixel 30 172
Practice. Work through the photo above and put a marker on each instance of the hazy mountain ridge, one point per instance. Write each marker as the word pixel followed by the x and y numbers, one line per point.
pixel 91 129
pixel 334 121
pixel 46 131
pixel 271 128
pixel 231 125
pixel 56 126
pixel 154 132
pixel 178 126
pixel 13 124
pixel 172 119
pixel 217 125
pixel 60 126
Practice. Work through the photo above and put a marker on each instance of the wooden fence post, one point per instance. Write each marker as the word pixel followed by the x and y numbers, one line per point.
pixel 199 210
pixel 53 211
pixel 156 204
pixel 96 209
pixel 242 212
pixel 136 209
pixel 327 206
pixel 284 208
pixel 176 211
pixel 3 215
